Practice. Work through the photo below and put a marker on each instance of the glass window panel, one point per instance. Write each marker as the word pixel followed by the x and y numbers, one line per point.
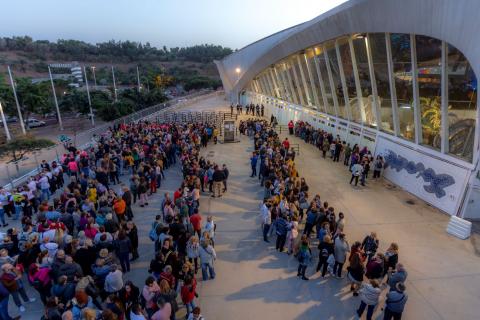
pixel 298 79
pixel 402 73
pixel 337 82
pixel 266 87
pixel 462 104
pixel 328 91
pixel 309 96
pixel 289 82
pixel 346 57
pixel 316 84
pixel 281 91
pixel 271 83
pixel 380 67
pixel 294 84
pixel 361 56
pixel 429 59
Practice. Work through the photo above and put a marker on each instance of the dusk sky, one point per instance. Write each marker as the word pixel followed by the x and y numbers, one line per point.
pixel 231 23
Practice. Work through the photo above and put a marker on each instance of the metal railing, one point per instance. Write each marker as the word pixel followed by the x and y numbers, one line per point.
pixel 84 139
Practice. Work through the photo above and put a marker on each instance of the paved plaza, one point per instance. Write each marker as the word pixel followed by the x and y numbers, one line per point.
pixel 256 282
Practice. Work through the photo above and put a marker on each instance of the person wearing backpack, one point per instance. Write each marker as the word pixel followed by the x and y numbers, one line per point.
pixel 325 249
pixel 153 233
pixel 304 258
pixel 377 167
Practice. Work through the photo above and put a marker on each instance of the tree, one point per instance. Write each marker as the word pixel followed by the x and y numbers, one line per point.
pixel 34 98
pixel 18 147
pixel 75 100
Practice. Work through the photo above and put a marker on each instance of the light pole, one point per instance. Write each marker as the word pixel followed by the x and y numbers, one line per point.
pixel 7 132
pixel 237 71
pixel 114 85
pixel 94 78
pixel 20 117
pixel 88 96
pixel 138 79
pixel 56 101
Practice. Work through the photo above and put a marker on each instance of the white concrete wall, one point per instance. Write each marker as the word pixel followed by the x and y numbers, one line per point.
pixel 446 198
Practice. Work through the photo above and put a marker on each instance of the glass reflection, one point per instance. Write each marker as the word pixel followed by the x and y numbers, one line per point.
pixel 462 104
pixel 402 73
pixel 326 83
pixel 310 55
pixel 337 82
pixel 378 48
pixel 429 58
pixel 367 104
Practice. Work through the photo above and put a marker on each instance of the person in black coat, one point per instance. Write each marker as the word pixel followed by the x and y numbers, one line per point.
pixel 225 173
pixel 128 197
pixel 85 256
pixel 129 295
pixel 325 249
pixel 132 234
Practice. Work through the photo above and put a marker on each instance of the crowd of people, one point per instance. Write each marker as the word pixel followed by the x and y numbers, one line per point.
pixel 78 234
pixel 359 161
pixel 288 204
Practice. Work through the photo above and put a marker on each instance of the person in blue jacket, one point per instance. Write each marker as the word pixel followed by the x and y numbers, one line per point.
pixel 253 163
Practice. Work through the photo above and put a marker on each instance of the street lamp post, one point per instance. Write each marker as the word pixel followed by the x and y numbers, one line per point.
pixel 88 96
pixel 7 132
pixel 138 79
pixel 114 85
pixel 20 117
pixel 55 99
pixel 94 78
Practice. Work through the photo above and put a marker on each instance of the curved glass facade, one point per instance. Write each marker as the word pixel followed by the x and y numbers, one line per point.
pixel 415 87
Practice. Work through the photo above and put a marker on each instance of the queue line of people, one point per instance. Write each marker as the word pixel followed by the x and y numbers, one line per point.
pixel 287 204
pixel 359 161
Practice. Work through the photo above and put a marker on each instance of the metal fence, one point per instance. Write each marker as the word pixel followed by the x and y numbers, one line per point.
pixel 17 173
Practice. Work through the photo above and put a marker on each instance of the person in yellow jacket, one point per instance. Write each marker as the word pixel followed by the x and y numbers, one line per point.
pixel 92 193
pixel 216 132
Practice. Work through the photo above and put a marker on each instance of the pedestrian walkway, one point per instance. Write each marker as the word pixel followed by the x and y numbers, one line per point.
pixel 256 281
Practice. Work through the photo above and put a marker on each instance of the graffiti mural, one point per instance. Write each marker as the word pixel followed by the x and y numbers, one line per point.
pixel 436 183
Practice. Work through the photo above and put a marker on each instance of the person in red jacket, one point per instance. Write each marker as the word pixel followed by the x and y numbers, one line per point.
pixel 290 127
pixel 286 144
pixel 188 293
pixel 196 221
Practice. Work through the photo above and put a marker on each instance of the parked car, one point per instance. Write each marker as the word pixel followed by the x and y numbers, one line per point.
pixel 10 119
pixel 34 123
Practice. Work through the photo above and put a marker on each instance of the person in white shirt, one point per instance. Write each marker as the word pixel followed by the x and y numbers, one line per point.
pixel 3 202
pixel 32 185
pixel 45 187
pixel 357 170
pixel 266 216
pixel 210 228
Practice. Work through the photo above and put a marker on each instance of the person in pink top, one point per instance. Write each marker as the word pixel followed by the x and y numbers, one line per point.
pixel 39 278
pixel 72 167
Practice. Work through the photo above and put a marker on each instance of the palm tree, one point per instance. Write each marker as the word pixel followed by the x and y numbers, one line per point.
pixel 431 118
